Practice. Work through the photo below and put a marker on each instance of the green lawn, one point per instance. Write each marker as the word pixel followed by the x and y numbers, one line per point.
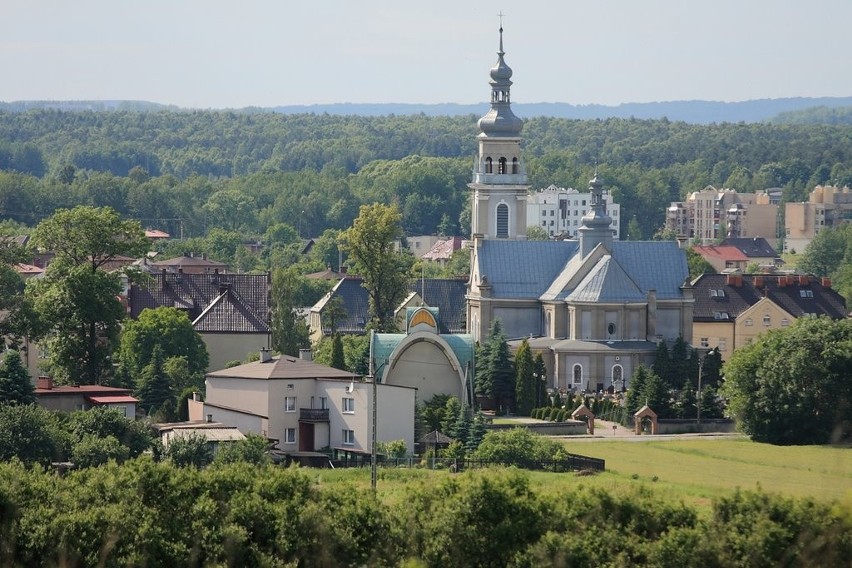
pixel 694 471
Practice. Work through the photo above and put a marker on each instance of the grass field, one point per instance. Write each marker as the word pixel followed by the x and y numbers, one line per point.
pixel 693 471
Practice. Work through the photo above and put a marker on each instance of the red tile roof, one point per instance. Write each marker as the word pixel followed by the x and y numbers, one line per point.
pixel 111 399
pixel 730 253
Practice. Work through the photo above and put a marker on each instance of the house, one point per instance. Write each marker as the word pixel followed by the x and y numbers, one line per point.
pixel 190 264
pixel 595 307
pixel 306 406
pixel 446 294
pixel 215 433
pixel 83 397
pixel 420 245
pixel 723 258
pixel 157 235
pixel 230 311
pixel 442 251
pixel 731 310
pixel 756 249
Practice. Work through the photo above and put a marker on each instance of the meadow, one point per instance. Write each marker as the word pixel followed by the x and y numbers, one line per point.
pixel 694 471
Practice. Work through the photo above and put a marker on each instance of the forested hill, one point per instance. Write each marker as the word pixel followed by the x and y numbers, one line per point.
pixel 695 112
pixel 313 171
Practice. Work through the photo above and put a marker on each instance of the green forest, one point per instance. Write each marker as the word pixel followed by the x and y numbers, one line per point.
pixel 190 172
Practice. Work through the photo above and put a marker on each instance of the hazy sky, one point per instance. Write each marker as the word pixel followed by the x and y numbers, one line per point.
pixel 231 54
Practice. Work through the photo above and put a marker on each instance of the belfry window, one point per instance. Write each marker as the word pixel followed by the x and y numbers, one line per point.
pixel 502 166
pixel 488 166
pixel 502 221
pixel 514 165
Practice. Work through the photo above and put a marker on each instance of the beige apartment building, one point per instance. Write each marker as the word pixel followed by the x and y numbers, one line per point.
pixel 712 214
pixel 827 206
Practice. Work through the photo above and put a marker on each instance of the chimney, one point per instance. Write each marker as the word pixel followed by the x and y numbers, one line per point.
pixel 803 280
pixel 826 282
pixel 196 397
pixel 265 355
pixel 758 281
pixel 44 382
pixel 306 355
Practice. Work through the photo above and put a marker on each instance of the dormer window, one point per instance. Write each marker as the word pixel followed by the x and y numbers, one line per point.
pixel 806 293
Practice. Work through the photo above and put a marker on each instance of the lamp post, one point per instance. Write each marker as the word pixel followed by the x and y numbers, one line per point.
pixel 700 372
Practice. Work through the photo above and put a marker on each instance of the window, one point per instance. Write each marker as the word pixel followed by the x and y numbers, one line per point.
pixel 723 344
pixel 515 164
pixel 721 315
pixel 767 321
pixel 488 165
pixel 290 404
pixel 705 342
pixel 289 435
pixel 578 374
pixel 348 405
pixel 749 322
pixel 785 322
pixel 544 223
pixel 501 166
pixel 349 437
pixel 717 293
pixel 552 213
pixel 290 386
pixel 610 329
pixel 617 376
pixel 502 221
pixel 806 293
pixel 324 402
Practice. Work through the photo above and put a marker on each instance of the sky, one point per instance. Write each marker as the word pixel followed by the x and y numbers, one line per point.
pixel 234 54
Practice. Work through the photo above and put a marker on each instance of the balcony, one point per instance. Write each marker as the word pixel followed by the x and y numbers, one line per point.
pixel 313 415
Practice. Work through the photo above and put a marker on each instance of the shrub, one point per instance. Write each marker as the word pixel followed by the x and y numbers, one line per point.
pixel 93 450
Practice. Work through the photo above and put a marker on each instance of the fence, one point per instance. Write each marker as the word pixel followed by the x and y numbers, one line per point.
pixel 573 462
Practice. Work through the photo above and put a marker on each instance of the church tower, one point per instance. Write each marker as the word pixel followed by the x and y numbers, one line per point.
pixel 499 187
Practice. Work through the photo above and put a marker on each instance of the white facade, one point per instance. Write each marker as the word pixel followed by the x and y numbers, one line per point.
pixel 559 211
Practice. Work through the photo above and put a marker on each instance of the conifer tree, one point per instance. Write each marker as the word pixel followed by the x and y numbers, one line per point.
pixel 16 387
pixel 525 381
pixel 338 359
pixel 155 387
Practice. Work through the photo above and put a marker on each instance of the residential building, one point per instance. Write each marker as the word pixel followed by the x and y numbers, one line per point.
pixel 67 398
pixel 595 307
pixel 306 406
pixel 230 311
pixel 756 249
pixel 215 433
pixel 712 214
pixel 446 294
pixel 443 250
pixel 827 206
pixel 731 310
pixel 421 244
pixel 190 264
pixel 559 211
pixel 723 258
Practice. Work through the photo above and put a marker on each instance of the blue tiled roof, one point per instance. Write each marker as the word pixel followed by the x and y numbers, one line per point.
pixel 522 269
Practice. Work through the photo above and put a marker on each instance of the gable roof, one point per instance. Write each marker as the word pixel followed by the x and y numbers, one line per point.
pixel 446 294
pixel 282 367
pixel 230 303
pixel 797 295
pixel 607 282
pixel 190 264
pixel 444 249
pixel 529 269
pixel 726 253
pixel 756 247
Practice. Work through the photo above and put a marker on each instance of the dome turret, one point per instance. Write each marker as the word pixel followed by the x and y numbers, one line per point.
pixel 500 120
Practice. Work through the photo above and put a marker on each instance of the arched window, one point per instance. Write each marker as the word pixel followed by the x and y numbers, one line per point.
pixel 502 221
pixel 488 166
pixel 618 377
pixel 578 374
pixel 515 165
pixel 501 166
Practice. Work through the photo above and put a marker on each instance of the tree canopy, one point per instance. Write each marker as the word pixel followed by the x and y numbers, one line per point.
pixel 793 385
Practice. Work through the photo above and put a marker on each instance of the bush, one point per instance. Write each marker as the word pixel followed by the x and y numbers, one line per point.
pixel 93 451
pixel 517 446
pixel 193 450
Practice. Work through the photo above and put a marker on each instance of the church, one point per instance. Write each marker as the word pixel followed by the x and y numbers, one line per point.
pixel 595 307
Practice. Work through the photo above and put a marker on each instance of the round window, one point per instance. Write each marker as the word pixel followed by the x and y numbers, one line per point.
pixel 611 329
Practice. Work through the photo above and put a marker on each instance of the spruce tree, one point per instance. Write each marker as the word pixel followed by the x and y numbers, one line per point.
pixel 16 387
pixel 525 387
pixel 338 360
pixel 154 386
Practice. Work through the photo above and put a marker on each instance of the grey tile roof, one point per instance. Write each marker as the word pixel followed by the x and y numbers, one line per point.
pixel 446 294
pixel 607 282
pixel 244 308
pixel 282 367
pixel 797 295
pixel 751 247
pixel 526 269
pixel 522 269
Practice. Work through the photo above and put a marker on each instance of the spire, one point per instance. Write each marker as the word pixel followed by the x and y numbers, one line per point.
pixel 500 121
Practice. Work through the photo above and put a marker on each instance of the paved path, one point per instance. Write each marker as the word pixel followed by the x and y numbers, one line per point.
pixel 612 431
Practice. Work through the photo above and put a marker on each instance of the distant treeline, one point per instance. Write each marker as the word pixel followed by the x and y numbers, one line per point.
pixel 315 170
